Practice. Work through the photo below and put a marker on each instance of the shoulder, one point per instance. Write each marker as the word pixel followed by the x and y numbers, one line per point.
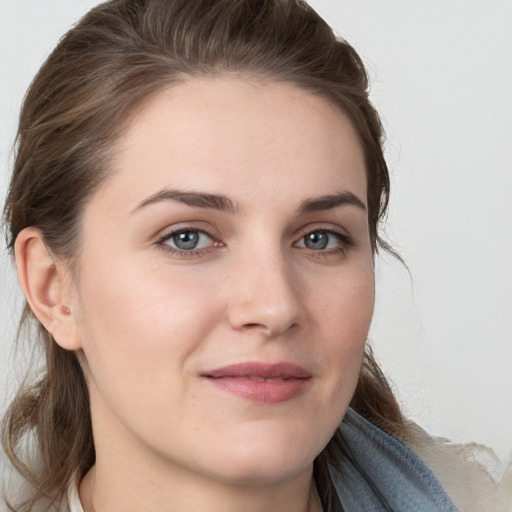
pixel 471 474
pixel 377 472
pixel 381 473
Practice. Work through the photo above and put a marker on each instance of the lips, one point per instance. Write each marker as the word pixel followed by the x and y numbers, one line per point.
pixel 261 382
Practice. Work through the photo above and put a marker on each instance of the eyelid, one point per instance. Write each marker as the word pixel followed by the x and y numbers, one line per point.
pixel 174 230
pixel 346 242
pixel 187 225
pixel 327 228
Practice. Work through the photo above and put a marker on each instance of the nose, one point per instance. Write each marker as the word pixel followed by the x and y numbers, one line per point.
pixel 264 296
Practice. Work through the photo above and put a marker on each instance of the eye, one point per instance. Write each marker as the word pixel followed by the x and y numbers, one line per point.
pixel 324 240
pixel 187 240
pixel 317 240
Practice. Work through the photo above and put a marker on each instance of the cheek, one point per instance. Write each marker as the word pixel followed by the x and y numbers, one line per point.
pixel 345 304
pixel 340 317
pixel 344 316
pixel 138 321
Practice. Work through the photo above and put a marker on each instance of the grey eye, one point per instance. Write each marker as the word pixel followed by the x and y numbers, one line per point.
pixel 323 239
pixel 317 240
pixel 186 241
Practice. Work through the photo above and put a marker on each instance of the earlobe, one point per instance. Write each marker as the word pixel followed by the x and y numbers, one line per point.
pixel 43 281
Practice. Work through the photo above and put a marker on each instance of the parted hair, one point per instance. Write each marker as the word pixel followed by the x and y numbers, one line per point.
pixel 102 72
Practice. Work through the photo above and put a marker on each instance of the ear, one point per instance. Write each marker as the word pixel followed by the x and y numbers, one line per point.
pixel 44 281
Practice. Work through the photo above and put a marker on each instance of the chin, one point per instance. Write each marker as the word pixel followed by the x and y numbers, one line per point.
pixel 262 472
pixel 267 459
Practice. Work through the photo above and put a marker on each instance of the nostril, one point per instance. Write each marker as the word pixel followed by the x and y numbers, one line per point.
pixel 269 330
pixel 254 326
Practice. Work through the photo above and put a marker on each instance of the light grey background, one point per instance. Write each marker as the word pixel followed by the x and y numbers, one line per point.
pixel 442 80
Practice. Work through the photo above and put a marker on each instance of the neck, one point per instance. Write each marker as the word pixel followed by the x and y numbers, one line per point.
pixel 122 492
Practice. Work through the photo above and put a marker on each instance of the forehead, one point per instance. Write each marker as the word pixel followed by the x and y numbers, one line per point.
pixel 239 137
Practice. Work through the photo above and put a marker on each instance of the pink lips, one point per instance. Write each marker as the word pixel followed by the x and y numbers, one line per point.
pixel 261 382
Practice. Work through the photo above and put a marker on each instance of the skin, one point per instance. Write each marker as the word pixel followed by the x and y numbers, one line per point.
pixel 148 319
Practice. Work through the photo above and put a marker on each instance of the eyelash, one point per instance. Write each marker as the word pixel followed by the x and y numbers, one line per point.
pixel 161 243
pixel 345 242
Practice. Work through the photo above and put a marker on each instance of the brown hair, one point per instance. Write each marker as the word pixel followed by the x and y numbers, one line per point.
pixel 103 70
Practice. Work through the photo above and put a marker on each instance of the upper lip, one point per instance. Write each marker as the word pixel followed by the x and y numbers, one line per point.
pixel 283 370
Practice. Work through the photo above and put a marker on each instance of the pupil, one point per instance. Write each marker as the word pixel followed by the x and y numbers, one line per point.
pixel 316 241
pixel 186 240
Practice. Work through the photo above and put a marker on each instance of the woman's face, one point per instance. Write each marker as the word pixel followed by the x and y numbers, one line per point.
pixel 226 285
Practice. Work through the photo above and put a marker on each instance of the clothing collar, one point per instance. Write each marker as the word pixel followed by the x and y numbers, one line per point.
pixel 382 474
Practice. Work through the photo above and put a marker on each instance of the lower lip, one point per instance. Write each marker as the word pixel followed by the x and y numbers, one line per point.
pixel 263 392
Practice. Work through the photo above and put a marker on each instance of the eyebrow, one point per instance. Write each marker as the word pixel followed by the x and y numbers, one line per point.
pixel 198 199
pixel 225 204
pixel 329 202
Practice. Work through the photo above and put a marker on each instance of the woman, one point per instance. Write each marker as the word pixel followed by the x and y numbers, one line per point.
pixel 194 213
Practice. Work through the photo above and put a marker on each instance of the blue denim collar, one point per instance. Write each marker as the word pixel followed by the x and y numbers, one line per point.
pixel 381 474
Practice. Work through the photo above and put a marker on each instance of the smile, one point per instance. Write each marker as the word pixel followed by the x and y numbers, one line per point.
pixel 260 382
